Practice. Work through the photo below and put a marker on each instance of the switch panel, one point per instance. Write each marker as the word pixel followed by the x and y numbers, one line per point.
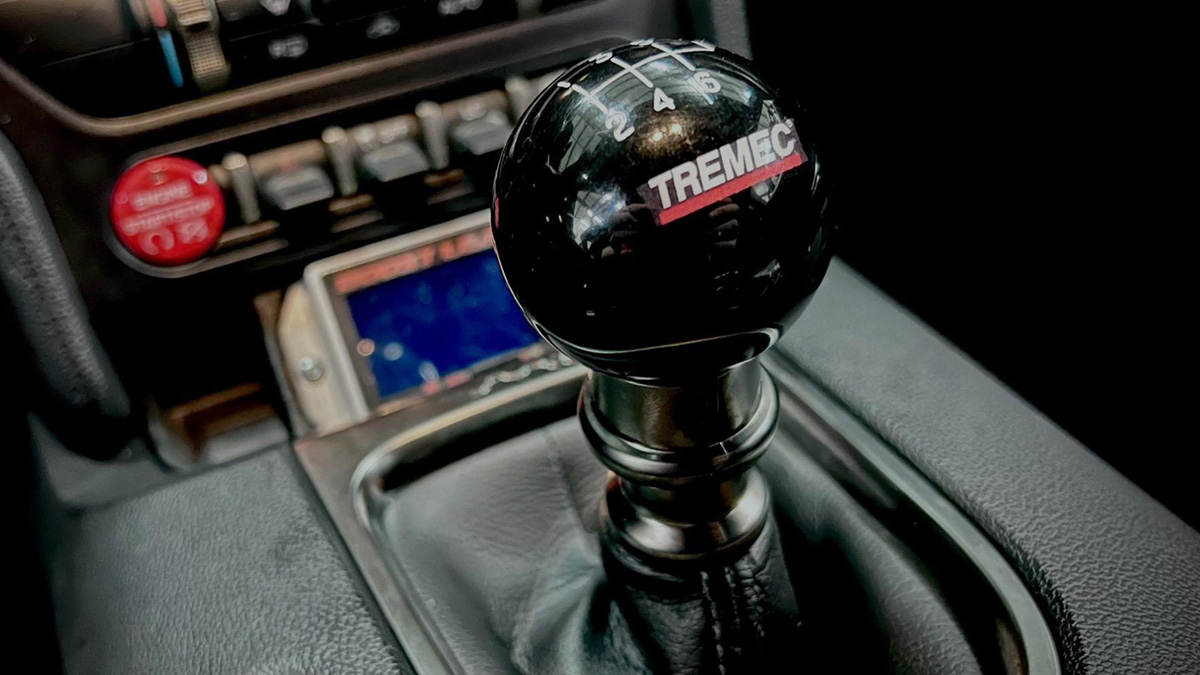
pixel 330 183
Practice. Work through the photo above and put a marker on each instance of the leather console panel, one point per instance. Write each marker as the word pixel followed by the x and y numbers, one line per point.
pixel 232 571
pixel 88 399
pixel 501 552
pixel 1117 574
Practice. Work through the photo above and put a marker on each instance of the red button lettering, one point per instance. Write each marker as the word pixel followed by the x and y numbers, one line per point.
pixel 168 211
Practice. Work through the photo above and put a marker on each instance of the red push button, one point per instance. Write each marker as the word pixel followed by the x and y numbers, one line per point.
pixel 168 211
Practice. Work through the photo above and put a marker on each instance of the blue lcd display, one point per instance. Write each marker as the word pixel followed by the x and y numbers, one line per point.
pixel 420 328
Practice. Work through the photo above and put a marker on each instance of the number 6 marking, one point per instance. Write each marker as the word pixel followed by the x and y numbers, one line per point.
pixel 616 122
pixel 704 82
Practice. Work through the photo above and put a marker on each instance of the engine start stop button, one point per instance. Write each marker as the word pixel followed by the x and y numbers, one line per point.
pixel 168 211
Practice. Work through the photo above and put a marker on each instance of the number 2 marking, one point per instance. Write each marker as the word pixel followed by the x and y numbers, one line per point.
pixel 662 101
pixel 616 122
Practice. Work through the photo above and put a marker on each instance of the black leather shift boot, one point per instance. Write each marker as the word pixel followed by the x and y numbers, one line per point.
pixel 598 615
pixel 502 553
pixel 731 616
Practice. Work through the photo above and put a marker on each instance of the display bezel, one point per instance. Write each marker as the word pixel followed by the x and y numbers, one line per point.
pixel 332 280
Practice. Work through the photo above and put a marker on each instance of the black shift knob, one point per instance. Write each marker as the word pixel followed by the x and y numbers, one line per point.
pixel 657 211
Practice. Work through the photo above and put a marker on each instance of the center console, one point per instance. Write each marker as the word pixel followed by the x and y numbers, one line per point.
pixel 658 216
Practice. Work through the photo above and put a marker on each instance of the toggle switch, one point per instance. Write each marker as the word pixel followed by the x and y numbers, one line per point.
pixel 241 184
pixel 292 177
pixel 395 161
pixel 299 187
pixel 196 24
pixel 387 150
pixel 339 152
pixel 478 125
pixel 520 93
pixel 433 131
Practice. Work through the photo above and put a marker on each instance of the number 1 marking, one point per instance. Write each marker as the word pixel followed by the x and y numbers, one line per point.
pixel 586 94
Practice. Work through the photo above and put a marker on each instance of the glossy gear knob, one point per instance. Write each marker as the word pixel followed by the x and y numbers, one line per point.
pixel 657 211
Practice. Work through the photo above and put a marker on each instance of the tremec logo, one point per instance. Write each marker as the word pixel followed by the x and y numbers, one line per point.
pixel 723 172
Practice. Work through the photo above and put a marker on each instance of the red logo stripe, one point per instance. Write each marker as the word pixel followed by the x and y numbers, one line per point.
pixel 730 188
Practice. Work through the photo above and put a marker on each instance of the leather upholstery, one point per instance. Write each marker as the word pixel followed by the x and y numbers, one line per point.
pixel 502 553
pixel 1116 572
pixel 226 573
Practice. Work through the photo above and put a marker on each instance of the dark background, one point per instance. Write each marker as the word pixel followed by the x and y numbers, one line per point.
pixel 1016 178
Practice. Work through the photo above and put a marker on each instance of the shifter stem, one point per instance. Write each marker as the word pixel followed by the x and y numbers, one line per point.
pixel 682 457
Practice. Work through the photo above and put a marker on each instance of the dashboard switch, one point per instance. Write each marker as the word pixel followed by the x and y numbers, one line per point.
pixel 520 94
pixel 195 23
pixel 394 161
pixel 396 27
pixel 478 125
pixel 167 211
pixel 451 16
pixel 387 150
pixel 247 17
pixel 479 136
pixel 293 176
pixel 339 152
pixel 302 186
pixel 241 183
pixel 278 51
pixel 433 130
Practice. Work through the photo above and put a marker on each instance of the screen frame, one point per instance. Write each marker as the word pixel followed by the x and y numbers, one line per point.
pixel 331 280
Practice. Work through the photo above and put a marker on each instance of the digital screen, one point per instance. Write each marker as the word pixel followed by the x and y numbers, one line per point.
pixel 419 328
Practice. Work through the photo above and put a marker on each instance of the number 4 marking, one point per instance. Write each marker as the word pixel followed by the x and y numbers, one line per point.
pixel 662 101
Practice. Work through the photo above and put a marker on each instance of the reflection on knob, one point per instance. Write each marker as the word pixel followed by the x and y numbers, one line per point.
pixel 658 211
